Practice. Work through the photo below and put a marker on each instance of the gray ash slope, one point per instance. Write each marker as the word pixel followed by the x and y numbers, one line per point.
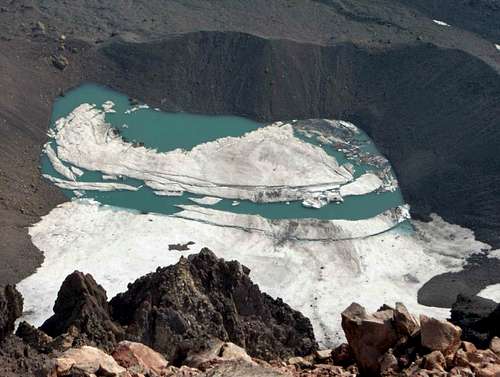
pixel 428 95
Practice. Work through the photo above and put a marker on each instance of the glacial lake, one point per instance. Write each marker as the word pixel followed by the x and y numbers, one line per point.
pixel 168 131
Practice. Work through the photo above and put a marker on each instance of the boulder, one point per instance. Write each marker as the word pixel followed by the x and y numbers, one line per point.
pixel 342 355
pixel 139 358
pixel 434 361
pixel 60 62
pixel 82 304
pixel 405 323
pixel 238 368
pixel 369 335
pixel 439 335
pixel 216 352
pixel 179 309
pixel 388 363
pixel 322 355
pixel 495 345
pixel 88 360
pixel 299 361
pixel 11 308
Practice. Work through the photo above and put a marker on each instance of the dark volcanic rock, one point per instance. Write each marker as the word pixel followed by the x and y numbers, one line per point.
pixel 179 308
pixel 34 337
pixel 478 317
pixel 11 308
pixel 17 359
pixel 82 303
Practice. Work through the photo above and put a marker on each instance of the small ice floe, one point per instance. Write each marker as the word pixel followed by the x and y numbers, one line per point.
pixel 135 108
pixel 497 46
pixel 108 107
pixel 109 177
pixel 316 200
pixel 76 171
pixel 206 200
pixel 169 192
pixel 440 23
pixel 157 109
pixel 287 203
pixel 235 203
pixel 78 193
pixel 124 125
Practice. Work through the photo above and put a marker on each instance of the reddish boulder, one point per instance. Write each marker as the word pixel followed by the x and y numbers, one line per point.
pixel 440 335
pixel 369 335
pixel 139 358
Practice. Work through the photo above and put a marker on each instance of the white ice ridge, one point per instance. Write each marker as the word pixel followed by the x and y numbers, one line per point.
pixel 266 165
pixel 57 164
pixel 206 200
pixel 440 23
pixel 90 186
pixel 318 277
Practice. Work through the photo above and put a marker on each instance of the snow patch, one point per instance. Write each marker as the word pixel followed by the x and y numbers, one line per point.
pixel 440 23
pixel 318 267
pixel 207 200
pixel 491 292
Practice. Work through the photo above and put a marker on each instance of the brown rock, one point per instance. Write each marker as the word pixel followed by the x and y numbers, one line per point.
pixel 342 355
pixel 406 324
pixel 491 370
pixel 369 335
pixel 300 362
pixel 88 360
pixel 461 372
pixel 139 357
pixel 439 335
pixel 388 362
pixel 468 347
pixel 60 62
pixel 434 361
pixel 495 345
pixel 217 352
pixel 322 355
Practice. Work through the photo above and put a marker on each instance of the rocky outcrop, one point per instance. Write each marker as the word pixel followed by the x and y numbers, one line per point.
pixel 11 308
pixel 82 305
pixel 478 317
pixel 390 342
pixel 180 308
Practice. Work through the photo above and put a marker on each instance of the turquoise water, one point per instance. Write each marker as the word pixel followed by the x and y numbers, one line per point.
pixel 167 131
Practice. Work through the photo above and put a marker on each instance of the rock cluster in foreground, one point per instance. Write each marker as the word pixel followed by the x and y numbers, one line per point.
pixel 204 317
